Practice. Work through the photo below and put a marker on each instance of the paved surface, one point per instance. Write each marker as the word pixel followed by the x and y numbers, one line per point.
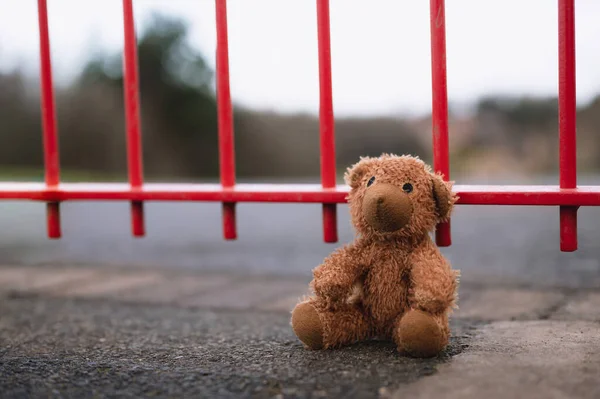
pixel 84 332
pixel 74 349
pixel 516 245
pixel 530 359
pixel 234 291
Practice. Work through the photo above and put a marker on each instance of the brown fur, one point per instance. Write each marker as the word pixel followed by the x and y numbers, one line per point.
pixel 391 281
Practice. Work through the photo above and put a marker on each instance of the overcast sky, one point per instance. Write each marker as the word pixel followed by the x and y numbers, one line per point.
pixel 380 48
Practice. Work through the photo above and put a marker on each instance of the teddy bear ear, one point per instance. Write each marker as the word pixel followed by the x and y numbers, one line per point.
pixel 355 173
pixel 443 196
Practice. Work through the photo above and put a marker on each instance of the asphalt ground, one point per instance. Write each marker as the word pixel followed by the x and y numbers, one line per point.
pixel 120 333
pixel 76 349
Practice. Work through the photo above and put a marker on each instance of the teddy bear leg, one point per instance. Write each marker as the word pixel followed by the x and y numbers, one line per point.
pixel 421 334
pixel 320 328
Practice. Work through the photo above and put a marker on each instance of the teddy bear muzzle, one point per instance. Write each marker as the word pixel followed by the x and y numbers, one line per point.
pixel 386 207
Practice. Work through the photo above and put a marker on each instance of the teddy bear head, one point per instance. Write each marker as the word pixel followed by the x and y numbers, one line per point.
pixel 395 196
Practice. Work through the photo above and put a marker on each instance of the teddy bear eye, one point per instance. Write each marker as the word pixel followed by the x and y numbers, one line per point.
pixel 371 181
pixel 407 187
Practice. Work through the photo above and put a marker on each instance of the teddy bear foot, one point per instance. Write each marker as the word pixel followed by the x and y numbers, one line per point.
pixel 307 325
pixel 419 335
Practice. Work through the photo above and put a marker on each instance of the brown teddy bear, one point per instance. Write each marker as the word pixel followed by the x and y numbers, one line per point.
pixel 391 282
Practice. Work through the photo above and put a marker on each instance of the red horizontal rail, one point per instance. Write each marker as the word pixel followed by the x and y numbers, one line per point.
pixel 302 193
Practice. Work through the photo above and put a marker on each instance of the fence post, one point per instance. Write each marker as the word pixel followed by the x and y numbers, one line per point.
pixel 132 116
pixel 439 112
pixel 326 120
pixel 49 124
pixel 225 116
pixel 567 120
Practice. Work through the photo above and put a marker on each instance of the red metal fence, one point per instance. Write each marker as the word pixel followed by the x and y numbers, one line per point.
pixel 567 195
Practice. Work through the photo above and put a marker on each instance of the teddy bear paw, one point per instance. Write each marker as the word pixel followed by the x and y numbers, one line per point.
pixel 307 325
pixel 419 335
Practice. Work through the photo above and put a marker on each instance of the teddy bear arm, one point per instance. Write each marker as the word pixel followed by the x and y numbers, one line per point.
pixel 334 278
pixel 433 282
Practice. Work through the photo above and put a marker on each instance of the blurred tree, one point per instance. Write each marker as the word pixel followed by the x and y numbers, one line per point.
pixel 525 126
pixel 178 104
pixel 91 129
pixel 522 112
pixel 588 135
pixel 20 138
pixel 356 137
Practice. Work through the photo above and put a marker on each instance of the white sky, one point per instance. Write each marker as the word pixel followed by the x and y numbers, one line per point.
pixel 380 48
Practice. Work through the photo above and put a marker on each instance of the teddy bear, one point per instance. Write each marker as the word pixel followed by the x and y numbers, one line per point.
pixel 391 282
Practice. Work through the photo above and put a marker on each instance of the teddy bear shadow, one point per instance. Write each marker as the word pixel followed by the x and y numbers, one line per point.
pixel 369 366
pixel 383 348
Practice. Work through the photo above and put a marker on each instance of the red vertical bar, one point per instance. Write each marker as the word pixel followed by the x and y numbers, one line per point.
pixel 49 125
pixel 132 116
pixel 225 116
pixel 441 162
pixel 326 121
pixel 567 120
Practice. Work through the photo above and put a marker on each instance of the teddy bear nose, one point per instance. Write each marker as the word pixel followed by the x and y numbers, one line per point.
pixel 386 207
